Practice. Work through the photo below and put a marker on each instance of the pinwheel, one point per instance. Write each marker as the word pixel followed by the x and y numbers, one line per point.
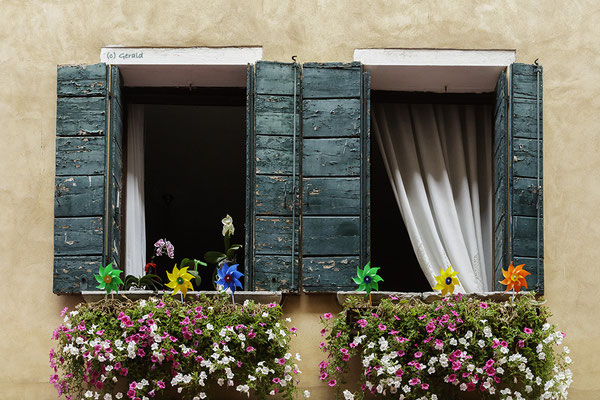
pixel 514 278
pixel 367 278
pixel 179 281
pixel 108 278
pixel 229 278
pixel 447 281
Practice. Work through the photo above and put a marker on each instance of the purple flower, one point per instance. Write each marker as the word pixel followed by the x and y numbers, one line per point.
pixel 164 244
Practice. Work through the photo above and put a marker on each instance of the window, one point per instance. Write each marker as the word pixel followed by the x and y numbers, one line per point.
pixel 307 174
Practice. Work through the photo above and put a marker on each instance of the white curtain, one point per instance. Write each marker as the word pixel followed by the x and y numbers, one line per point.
pixel 438 159
pixel 135 219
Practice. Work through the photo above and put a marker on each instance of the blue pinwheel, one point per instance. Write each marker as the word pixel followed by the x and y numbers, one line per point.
pixel 229 277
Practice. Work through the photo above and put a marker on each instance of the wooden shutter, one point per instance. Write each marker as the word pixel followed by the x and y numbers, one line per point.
pixel 272 198
pixel 80 212
pixel 335 175
pixel 519 180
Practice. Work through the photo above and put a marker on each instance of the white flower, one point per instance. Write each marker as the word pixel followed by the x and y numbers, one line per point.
pixel 220 381
pixel 202 395
pixel 243 388
pixel 453 341
pixel 546 326
pixel 108 396
pixel 568 360
pixel 119 395
pixel 481 343
pixel 228 225
pixel 306 394
pixel 88 394
pixel 348 395
pixel 210 327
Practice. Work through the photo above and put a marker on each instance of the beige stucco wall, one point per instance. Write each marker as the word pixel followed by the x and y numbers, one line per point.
pixel 35 36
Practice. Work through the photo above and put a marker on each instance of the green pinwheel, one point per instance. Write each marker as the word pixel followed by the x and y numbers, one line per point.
pixel 367 278
pixel 108 278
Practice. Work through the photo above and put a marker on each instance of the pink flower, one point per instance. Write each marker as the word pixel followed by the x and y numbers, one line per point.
pixel 344 350
pixel 276 380
pixel 491 371
pixel 362 323
pixel 418 354
pixel 521 343
pixel 346 357
pixel 399 372
pixel 451 378
pixel 456 365
pixel 483 305
pixel 430 327
pixel 528 330
pixel 332 382
pixel 131 393
pixel 249 349
pixel 323 376
pixel 489 363
pixel 327 316
pixel 392 297
pixel 272 305
pixel 382 327
pixel 293 330
pixel 323 332
pixel 414 381
pixel 281 361
pixel 425 386
pixel 124 371
pixel 64 311
pixel 322 345
pixel 422 317
pixel 198 331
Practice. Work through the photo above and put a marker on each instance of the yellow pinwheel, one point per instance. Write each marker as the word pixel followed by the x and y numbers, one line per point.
pixel 179 280
pixel 446 281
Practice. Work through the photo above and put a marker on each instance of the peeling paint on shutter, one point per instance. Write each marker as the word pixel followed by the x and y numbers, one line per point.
pixel 335 160
pixel 84 139
pixel 518 180
pixel 80 182
pixel 272 193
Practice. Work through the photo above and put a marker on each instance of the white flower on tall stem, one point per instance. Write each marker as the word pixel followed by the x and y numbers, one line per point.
pixel 228 228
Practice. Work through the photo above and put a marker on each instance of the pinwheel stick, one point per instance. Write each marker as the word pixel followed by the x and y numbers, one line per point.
pixel 232 298
pixel 370 302
pixel 181 293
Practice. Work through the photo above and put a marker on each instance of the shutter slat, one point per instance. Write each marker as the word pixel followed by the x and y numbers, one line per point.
pixel 331 235
pixel 79 196
pixel 74 274
pixel 331 118
pixel 78 236
pixel 331 157
pixel 331 80
pixel 333 196
pixel 334 273
pixel 81 80
pixel 77 116
pixel 80 155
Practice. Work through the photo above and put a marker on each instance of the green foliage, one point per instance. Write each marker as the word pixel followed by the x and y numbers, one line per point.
pixel 441 349
pixel 148 282
pixel 161 347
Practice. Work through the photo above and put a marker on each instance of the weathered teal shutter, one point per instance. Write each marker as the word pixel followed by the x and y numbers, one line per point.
pixel 273 215
pixel 80 212
pixel 518 177
pixel 335 175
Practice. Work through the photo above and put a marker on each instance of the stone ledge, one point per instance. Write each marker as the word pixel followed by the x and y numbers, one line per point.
pixel 258 297
pixel 427 297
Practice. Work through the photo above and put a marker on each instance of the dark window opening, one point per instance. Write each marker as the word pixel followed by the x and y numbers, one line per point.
pixel 195 171
pixel 391 247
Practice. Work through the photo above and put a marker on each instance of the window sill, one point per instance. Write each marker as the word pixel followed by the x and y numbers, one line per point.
pixel 259 297
pixel 427 297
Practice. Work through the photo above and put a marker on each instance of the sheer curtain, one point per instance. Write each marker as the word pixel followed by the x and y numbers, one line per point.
pixel 135 218
pixel 438 159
